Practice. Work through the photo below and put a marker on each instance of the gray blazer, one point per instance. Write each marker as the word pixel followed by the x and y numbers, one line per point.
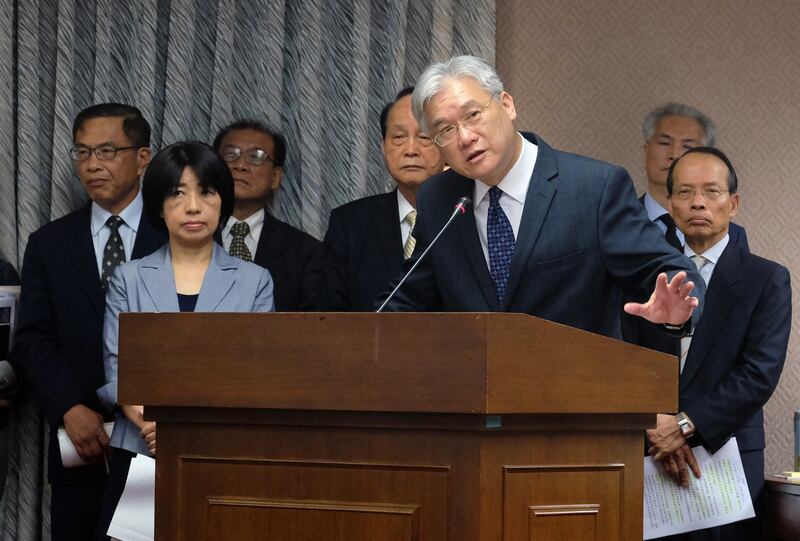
pixel 148 285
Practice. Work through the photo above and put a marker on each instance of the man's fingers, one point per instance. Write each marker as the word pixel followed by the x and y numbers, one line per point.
pixel 692 462
pixel 672 469
pixel 686 288
pixel 683 472
pixel 677 280
pixel 634 308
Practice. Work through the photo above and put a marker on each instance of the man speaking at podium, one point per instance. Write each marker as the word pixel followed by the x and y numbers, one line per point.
pixel 551 234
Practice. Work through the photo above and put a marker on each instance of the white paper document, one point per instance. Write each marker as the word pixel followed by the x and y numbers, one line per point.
pixel 719 497
pixel 135 515
pixel 69 456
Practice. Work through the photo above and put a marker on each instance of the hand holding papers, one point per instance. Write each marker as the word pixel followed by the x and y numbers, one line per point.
pixel 69 455
pixel 719 497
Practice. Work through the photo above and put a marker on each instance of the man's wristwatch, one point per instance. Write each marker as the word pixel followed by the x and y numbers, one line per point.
pixel 685 424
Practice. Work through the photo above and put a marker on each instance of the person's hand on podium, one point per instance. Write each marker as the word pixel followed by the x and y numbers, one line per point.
pixel 670 303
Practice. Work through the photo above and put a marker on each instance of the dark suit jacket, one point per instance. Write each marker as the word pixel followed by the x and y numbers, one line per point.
pixel 736 355
pixel 737 233
pixel 8 276
pixel 294 259
pixel 582 232
pixel 59 341
pixel 363 253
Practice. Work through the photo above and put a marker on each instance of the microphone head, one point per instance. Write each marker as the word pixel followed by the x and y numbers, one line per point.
pixel 462 204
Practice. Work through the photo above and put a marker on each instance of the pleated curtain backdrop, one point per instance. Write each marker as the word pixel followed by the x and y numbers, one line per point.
pixel 319 71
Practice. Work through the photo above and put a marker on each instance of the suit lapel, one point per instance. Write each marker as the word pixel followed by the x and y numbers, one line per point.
pixel 271 242
pixel 537 202
pixel 722 294
pixel 148 239
pixel 386 221
pixel 81 249
pixel 158 279
pixel 473 251
pixel 218 281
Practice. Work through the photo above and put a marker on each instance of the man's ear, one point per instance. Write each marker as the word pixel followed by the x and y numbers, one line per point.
pixel 507 103
pixel 277 177
pixel 143 158
pixel 734 204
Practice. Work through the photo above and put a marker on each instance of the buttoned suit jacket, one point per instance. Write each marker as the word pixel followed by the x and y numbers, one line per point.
pixel 59 347
pixel 736 355
pixel 148 285
pixel 582 233
pixel 363 253
pixel 294 259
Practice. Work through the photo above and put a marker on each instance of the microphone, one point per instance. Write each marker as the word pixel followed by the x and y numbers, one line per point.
pixel 460 208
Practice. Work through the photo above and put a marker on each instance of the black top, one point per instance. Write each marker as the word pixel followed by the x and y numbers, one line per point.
pixel 187 302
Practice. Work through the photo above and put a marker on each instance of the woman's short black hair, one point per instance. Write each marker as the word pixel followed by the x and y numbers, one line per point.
pixel 164 173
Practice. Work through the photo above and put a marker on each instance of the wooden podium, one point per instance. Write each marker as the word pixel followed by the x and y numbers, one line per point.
pixel 384 427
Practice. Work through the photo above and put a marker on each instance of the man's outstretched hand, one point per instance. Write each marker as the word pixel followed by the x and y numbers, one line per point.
pixel 670 303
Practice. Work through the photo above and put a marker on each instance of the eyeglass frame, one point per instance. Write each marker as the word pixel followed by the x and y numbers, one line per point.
pixel 241 153
pixel 93 150
pixel 461 122
pixel 708 194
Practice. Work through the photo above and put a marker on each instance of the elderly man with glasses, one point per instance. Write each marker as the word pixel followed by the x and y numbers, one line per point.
pixel 64 273
pixel 255 154
pixel 551 234
pixel 369 238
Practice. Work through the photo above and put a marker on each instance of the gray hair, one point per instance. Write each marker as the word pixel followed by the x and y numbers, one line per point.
pixel 679 109
pixel 437 74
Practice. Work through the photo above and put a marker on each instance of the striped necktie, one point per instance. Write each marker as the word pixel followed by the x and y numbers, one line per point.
pixel 411 242
pixel 699 262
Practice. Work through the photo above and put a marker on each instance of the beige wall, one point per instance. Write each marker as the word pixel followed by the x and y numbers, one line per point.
pixel 584 74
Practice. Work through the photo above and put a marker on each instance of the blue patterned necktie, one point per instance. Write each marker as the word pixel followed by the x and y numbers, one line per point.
pixel 500 237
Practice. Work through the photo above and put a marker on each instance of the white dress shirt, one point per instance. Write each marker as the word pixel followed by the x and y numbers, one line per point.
pixel 256 223
pixel 403 208
pixel 131 216
pixel 515 188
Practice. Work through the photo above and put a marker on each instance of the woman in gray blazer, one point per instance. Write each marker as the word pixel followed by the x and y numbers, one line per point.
pixel 188 191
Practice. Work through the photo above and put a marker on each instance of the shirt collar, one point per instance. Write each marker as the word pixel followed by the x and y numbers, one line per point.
pixel 712 254
pixel 130 215
pixel 516 182
pixel 654 208
pixel 403 206
pixel 255 221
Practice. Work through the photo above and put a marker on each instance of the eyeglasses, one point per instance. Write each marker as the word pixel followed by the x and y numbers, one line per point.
pixel 254 156
pixel 709 194
pixel 449 133
pixel 103 152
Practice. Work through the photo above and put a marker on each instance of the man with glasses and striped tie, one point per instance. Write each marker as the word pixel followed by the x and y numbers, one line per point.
pixel 368 239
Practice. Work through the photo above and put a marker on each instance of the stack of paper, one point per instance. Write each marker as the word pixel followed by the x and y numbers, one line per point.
pixel 719 497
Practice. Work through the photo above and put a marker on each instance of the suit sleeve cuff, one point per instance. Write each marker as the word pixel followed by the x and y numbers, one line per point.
pixel 108 395
pixel 679 331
